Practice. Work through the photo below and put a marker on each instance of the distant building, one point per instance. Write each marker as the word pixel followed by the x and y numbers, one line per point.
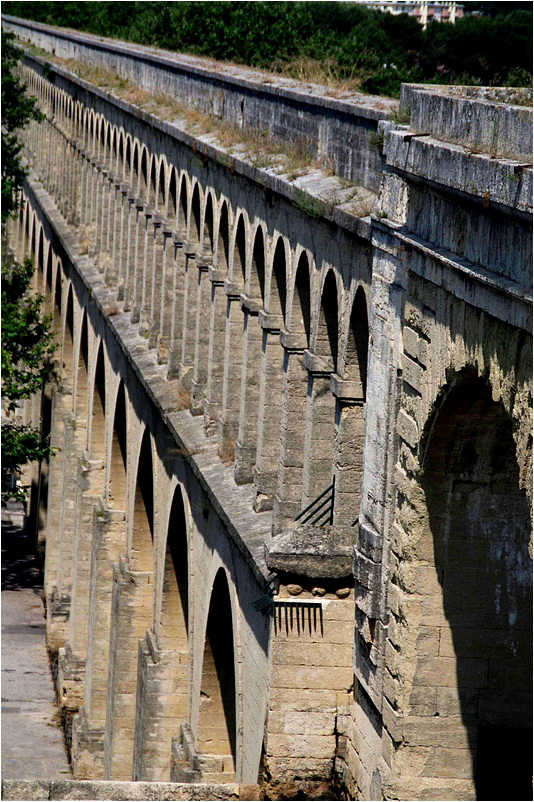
pixel 424 11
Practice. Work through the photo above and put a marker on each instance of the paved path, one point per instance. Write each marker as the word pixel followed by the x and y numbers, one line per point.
pixel 32 742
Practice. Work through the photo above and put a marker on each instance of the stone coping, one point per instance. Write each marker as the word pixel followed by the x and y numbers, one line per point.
pixel 486 118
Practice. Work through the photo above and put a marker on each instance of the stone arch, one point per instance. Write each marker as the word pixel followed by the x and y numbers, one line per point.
pixel 135 169
pixel 48 279
pixel 152 189
pixel 142 551
pixel 349 438
pixel 128 161
pixel 358 342
pixel 223 238
pixel 217 713
pixel 239 262
pixel 174 616
pixel 320 406
pixel 327 339
pixel 68 336
pixel 58 302
pixel 209 226
pixel 98 419
pixel 40 258
pixel 194 218
pixel 278 292
pixel 161 188
pixel 119 445
pixel 80 404
pixel 467 525
pixel 172 199
pixel 301 302
pixel 143 175
pixel 113 151
pixel 182 208
pixel 257 266
pixel 120 155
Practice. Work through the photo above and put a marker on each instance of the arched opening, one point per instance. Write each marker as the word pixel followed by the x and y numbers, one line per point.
pixel 240 253
pixel 321 403
pixel 223 242
pixel 208 226
pixel 172 207
pixel 120 164
pixel 277 301
pixel 68 339
pixel 174 621
pixel 142 557
pixel 349 439
pixel 194 226
pixel 217 714
pixel 475 532
pixel 58 306
pixel 117 473
pixel 182 210
pixel 161 189
pixel 327 330
pixel 128 163
pixel 48 282
pixel 40 261
pixel 301 312
pixel 135 170
pixel 152 196
pixel 143 177
pixel 83 362
pixel 257 272
pixel 358 343
pixel 98 422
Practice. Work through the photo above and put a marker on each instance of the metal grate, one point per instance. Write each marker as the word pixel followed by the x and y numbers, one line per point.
pixel 321 509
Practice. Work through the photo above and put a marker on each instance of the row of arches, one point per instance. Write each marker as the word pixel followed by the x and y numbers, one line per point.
pixel 123 461
pixel 225 332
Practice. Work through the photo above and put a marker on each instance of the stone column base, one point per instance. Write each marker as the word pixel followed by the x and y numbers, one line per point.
pixel 87 749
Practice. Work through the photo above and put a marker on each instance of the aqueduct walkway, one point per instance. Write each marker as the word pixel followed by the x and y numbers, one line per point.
pixel 229 351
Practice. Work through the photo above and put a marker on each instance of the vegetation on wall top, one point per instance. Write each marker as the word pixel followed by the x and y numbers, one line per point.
pixel 320 41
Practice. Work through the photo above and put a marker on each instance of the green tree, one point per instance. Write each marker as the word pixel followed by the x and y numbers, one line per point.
pixel 27 349
pixel 27 339
pixel 17 110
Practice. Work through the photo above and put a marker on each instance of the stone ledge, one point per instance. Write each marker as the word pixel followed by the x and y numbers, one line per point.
pixel 312 551
pixel 106 789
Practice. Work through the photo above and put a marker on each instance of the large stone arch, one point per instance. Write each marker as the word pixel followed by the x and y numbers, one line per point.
pixel 164 658
pixel 218 695
pixel 117 484
pixel 98 416
pixel 469 576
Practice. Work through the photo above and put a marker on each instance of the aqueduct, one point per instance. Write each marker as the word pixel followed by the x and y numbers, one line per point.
pixel 234 351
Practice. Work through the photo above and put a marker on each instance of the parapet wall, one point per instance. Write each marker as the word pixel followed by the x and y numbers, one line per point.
pixel 335 126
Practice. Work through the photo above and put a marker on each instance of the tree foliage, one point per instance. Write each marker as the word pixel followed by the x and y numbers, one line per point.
pixel 18 109
pixel 27 349
pixel 26 336
pixel 381 50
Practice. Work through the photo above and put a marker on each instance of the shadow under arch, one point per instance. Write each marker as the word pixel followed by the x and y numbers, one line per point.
pixel 117 474
pixel 217 714
pixel 98 422
pixel 478 530
pixel 142 558
pixel 174 620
